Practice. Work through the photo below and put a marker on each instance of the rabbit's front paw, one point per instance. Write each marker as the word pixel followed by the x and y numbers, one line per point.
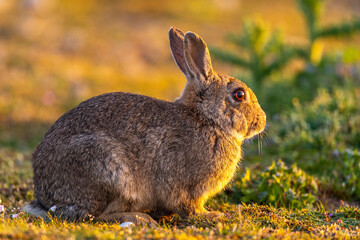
pixel 143 219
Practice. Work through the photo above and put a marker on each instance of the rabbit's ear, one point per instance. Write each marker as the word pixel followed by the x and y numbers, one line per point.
pixel 176 38
pixel 197 57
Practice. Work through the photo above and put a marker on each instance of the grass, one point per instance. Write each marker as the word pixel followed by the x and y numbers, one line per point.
pixel 241 221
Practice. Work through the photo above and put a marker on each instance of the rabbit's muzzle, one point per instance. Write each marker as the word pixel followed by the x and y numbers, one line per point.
pixel 257 125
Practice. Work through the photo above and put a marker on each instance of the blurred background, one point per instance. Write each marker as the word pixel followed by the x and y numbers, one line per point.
pixel 301 57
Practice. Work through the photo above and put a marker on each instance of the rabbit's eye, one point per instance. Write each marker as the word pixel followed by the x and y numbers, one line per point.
pixel 239 95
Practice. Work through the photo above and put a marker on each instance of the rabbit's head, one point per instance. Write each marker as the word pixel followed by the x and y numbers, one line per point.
pixel 227 101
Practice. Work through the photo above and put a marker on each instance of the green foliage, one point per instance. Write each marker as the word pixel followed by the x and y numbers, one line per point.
pixel 345 177
pixel 331 120
pixel 312 10
pixel 266 51
pixel 339 30
pixel 311 132
pixel 279 186
pixel 328 74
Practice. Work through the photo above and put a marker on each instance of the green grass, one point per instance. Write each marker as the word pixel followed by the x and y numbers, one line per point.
pixel 249 221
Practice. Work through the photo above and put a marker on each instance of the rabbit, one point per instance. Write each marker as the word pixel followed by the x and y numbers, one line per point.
pixel 128 157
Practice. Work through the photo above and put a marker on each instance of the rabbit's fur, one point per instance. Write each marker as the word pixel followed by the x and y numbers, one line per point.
pixel 122 152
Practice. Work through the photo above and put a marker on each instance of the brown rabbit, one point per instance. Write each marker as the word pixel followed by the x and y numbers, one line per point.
pixel 118 155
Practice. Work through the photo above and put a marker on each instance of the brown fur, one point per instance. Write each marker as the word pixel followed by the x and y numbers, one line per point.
pixel 119 152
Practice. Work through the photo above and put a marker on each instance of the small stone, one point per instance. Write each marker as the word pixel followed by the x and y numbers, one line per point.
pixel 126 224
pixel 53 208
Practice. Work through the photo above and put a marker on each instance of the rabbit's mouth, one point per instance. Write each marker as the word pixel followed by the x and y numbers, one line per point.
pixel 256 127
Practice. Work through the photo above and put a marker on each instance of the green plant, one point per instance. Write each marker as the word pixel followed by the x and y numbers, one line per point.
pixel 310 133
pixel 345 177
pixel 278 185
pixel 265 51
pixel 330 121
pixel 312 11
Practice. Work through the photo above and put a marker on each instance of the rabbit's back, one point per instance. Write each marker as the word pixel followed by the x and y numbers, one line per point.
pixel 109 112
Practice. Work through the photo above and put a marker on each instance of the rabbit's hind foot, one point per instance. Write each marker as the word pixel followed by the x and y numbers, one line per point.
pixel 208 216
pixel 137 218
pixel 213 216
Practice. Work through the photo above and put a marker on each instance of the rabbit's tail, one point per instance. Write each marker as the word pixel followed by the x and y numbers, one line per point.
pixel 36 208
